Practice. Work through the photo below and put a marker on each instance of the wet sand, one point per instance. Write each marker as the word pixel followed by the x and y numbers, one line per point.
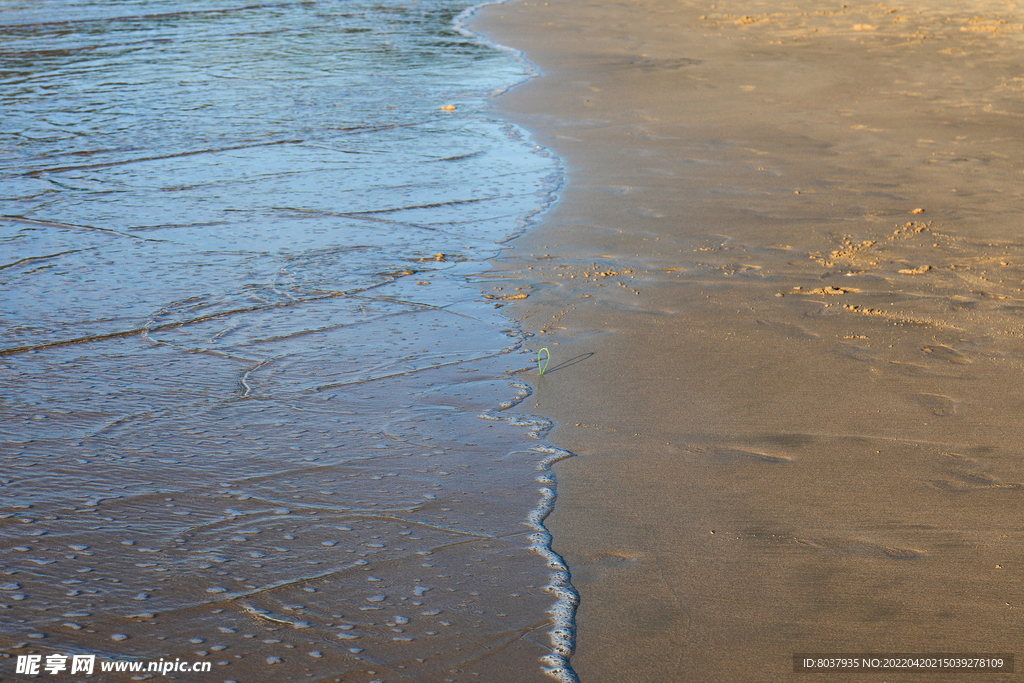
pixel 782 291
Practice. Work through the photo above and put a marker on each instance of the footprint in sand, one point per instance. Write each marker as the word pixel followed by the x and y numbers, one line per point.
pixel 859 353
pixel 737 454
pixel 594 568
pixel 947 354
pixel 645 63
pixel 915 370
pixel 862 548
pixel 936 403
pixel 788 330
pixel 608 559
pixel 960 482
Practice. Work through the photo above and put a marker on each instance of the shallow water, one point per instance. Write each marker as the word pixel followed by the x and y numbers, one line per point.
pixel 256 410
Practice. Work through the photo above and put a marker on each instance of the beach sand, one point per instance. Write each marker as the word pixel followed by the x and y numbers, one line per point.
pixel 782 291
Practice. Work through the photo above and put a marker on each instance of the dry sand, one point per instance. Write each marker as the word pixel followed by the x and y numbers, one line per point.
pixel 783 295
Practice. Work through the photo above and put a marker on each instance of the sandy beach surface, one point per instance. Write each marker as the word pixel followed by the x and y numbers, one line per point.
pixel 782 291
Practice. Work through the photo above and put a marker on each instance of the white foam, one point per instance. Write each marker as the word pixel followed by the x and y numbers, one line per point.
pixel 562 635
pixel 563 611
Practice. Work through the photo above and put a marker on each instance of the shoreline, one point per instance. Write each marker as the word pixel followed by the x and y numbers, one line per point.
pixel 271 423
pixel 781 290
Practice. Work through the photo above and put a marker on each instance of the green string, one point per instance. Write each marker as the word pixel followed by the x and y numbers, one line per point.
pixel 546 359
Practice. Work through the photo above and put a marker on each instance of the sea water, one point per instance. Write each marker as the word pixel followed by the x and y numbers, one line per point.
pixel 256 414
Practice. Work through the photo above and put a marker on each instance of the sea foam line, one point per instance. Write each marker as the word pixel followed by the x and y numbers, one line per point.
pixel 563 612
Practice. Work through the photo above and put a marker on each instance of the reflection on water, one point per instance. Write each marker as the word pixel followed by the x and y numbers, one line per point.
pixel 243 352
